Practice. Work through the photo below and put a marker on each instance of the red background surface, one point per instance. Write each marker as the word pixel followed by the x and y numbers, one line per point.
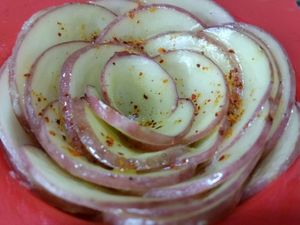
pixel 278 204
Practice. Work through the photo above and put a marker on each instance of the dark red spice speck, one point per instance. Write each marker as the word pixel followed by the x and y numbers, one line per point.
pixel 221 132
pixel 194 97
pixel 74 152
pixel 270 118
pixel 109 141
pixel 131 14
pixel 52 133
pixel 162 50
pixel 223 157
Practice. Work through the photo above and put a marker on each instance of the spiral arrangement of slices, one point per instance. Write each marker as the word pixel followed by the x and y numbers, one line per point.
pixel 147 112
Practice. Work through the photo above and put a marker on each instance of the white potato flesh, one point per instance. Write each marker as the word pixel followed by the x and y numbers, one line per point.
pixel 204 149
pixel 85 67
pixel 140 24
pixel 183 40
pixel 256 75
pixel 178 122
pixel 105 132
pixel 276 91
pixel 209 12
pixel 197 78
pixel 140 114
pixel 199 210
pixel 287 78
pixel 180 208
pixel 175 125
pixel 12 134
pixel 279 159
pixel 42 86
pixel 81 69
pixel 139 88
pixel 248 147
pixel 106 144
pixel 118 7
pixel 44 172
pixel 59 25
pixel 52 138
